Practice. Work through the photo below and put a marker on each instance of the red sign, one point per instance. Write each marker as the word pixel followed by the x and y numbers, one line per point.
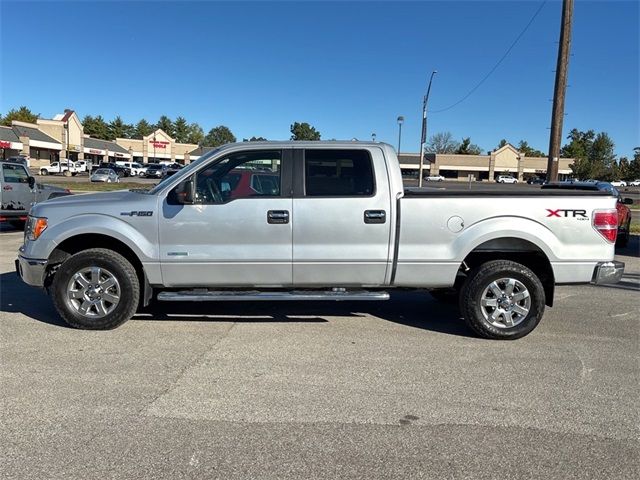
pixel 99 152
pixel 158 144
pixel 5 144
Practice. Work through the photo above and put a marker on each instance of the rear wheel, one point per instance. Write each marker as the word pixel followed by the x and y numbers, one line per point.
pixel 623 238
pixel 96 289
pixel 502 300
pixel 67 173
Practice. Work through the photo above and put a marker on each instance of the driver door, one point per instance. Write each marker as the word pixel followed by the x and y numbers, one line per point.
pixel 238 231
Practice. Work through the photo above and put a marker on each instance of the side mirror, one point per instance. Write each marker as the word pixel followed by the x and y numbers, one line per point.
pixel 628 201
pixel 32 182
pixel 183 193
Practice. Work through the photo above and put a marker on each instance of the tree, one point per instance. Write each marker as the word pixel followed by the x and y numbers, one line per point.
pixel 593 153
pixel 634 165
pixel 623 169
pixel 254 139
pixel 196 134
pixel 468 148
pixel 523 147
pixel 502 143
pixel 219 136
pixel 166 125
pixel 181 130
pixel 119 129
pixel 142 129
pixel 95 126
pixel 304 131
pixel 442 142
pixel 22 114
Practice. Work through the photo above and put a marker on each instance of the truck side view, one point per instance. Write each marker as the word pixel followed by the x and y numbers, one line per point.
pixel 316 221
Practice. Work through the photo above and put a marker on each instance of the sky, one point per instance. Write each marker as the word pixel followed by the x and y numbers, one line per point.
pixel 348 68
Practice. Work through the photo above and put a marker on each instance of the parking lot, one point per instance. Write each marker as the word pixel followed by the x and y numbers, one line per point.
pixel 399 389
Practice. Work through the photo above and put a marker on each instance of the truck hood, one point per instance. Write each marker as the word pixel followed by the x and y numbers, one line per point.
pixel 99 202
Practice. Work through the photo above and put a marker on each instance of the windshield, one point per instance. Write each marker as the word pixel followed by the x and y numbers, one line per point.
pixel 103 171
pixel 184 171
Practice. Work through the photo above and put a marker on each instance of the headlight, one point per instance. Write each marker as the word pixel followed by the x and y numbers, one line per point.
pixel 34 228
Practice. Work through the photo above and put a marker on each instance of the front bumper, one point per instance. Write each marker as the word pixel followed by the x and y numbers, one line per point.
pixel 607 272
pixel 32 271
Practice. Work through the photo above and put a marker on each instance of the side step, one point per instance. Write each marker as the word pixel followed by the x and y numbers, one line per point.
pixel 202 295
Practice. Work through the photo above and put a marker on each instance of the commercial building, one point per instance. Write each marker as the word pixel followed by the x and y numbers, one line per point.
pixel 502 161
pixel 63 137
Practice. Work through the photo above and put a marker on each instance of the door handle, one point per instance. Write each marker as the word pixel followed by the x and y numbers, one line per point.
pixel 375 216
pixel 278 216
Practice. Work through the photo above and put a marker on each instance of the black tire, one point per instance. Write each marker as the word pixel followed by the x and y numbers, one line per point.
pixel 623 238
pixel 480 279
pixel 44 172
pixel 115 263
pixel 18 224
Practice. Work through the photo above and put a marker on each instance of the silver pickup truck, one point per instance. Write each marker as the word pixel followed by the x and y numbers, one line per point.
pixel 316 221
pixel 19 191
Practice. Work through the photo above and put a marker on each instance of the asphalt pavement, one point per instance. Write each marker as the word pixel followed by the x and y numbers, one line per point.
pixel 398 389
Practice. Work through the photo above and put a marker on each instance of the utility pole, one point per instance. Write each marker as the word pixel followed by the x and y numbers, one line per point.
pixel 423 135
pixel 557 115
pixel 400 122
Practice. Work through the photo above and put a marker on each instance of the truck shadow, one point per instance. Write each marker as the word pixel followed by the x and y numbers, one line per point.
pixel 632 249
pixel 412 309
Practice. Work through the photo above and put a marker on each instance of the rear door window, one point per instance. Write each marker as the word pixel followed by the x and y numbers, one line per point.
pixel 15 174
pixel 338 173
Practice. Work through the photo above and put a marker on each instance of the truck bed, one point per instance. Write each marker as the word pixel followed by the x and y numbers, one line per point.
pixel 484 191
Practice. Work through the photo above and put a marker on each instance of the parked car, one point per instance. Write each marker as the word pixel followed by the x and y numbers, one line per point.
pixel 434 178
pixel 119 169
pixel 65 167
pixel 19 191
pixel 156 170
pixel 619 183
pixel 536 181
pixel 81 166
pixel 635 183
pixel 506 179
pixel 135 169
pixel 329 228
pixel 623 212
pixel 107 175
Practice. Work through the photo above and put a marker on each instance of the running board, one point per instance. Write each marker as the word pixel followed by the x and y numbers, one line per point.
pixel 228 295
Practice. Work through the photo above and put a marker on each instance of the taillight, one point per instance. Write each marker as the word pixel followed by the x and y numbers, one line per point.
pixel 606 224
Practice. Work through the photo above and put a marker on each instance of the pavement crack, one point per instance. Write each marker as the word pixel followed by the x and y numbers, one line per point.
pixel 186 368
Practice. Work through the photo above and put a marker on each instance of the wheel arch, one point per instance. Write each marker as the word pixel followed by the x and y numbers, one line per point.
pixel 518 250
pixel 85 241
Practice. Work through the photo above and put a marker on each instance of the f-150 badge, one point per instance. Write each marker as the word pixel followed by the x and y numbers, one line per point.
pixel 137 213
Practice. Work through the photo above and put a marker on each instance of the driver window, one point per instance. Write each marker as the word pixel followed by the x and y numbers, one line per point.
pixel 240 175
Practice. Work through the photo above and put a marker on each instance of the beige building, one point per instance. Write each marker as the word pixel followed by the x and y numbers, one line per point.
pixel 63 137
pixel 503 161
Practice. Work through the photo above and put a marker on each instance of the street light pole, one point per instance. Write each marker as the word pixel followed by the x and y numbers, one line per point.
pixel 400 122
pixel 423 136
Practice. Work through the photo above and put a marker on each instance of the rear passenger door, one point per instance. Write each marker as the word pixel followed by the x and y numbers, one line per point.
pixel 341 217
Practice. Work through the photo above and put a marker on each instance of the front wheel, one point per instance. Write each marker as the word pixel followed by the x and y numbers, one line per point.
pixel 44 172
pixel 96 289
pixel 502 300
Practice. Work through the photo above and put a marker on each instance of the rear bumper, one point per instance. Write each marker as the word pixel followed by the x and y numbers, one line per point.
pixel 31 270
pixel 607 272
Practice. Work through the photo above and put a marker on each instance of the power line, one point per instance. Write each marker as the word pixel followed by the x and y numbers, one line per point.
pixel 496 65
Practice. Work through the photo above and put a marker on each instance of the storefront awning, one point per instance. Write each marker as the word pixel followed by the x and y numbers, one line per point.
pixel 11 145
pixel 41 144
